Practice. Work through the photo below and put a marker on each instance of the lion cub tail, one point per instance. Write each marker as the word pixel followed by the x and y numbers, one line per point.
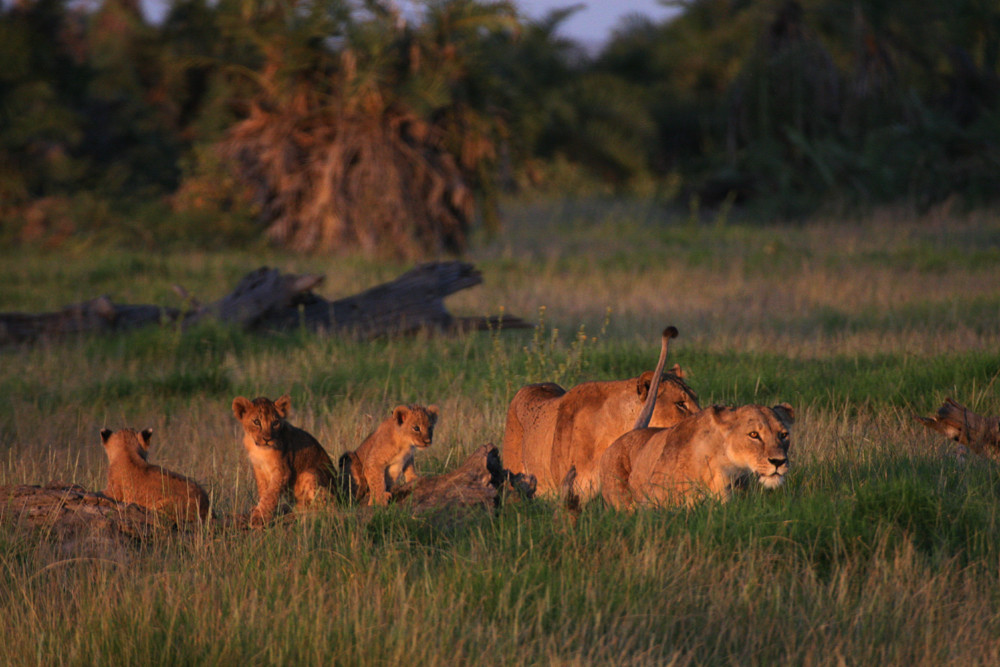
pixel 352 485
pixel 646 414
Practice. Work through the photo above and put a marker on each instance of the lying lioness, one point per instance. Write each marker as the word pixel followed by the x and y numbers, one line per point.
pixel 701 456
pixel 550 430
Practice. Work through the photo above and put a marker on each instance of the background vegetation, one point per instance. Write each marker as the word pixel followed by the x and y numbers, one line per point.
pixel 337 125
pixel 881 548
pixel 803 187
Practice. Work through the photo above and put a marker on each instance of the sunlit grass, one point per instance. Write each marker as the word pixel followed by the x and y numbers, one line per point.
pixel 880 549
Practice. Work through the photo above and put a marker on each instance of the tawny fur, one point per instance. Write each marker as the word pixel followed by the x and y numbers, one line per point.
pixel 132 479
pixel 701 456
pixel 284 458
pixel 385 458
pixel 550 430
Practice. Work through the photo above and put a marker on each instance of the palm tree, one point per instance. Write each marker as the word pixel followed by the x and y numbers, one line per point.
pixel 363 130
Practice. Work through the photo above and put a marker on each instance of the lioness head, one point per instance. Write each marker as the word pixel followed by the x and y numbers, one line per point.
pixel 263 419
pixel 415 424
pixel 127 441
pixel 757 440
pixel 675 400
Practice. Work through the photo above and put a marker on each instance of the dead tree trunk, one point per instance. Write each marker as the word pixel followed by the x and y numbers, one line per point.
pixel 978 433
pixel 266 299
pixel 258 294
pixel 73 514
pixel 97 315
pixel 413 301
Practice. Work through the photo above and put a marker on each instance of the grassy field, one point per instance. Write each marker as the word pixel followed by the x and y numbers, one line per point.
pixel 882 548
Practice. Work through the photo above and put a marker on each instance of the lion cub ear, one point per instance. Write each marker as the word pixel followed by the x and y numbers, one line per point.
pixel 785 413
pixel 432 410
pixel 241 406
pixel 146 435
pixel 283 405
pixel 105 435
pixel 399 414
pixel 642 384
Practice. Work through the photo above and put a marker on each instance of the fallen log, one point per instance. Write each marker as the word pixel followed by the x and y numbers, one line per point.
pixel 481 481
pixel 266 299
pixel 96 315
pixel 72 514
pixel 976 432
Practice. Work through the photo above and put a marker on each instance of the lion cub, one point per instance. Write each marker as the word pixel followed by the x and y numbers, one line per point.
pixel 132 479
pixel 386 456
pixel 283 457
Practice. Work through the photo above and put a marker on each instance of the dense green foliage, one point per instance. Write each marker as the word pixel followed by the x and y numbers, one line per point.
pixel 293 115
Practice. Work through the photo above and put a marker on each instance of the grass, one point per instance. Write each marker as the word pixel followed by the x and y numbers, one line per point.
pixel 880 548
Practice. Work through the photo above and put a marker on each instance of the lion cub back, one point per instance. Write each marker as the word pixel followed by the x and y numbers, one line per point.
pixel 132 479
pixel 386 456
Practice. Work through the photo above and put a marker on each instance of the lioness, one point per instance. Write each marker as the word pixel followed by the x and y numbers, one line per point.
pixel 132 479
pixel 385 457
pixel 550 430
pixel 701 455
pixel 283 456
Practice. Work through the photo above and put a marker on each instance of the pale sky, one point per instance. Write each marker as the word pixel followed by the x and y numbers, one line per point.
pixel 593 24
pixel 590 26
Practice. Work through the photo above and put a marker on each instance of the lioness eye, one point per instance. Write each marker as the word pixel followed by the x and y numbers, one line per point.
pixel 754 435
pixel 681 405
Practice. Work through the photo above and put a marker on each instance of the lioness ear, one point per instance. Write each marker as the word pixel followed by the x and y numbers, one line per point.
pixel 105 434
pixel 719 412
pixel 785 413
pixel 283 405
pixel 642 384
pixel 146 434
pixel 240 406
pixel 399 413
pixel 678 371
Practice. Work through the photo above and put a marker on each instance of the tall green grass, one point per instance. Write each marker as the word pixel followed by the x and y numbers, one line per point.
pixel 881 548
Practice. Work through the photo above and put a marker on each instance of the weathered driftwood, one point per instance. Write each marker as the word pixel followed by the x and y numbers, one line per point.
pixel 976 432
pixel 481 481
pixel 73 514
pixel 270 300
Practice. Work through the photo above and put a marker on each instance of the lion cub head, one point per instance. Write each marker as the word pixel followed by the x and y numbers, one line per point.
pixel 263 419
pixel 415 425
pixel 756 439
